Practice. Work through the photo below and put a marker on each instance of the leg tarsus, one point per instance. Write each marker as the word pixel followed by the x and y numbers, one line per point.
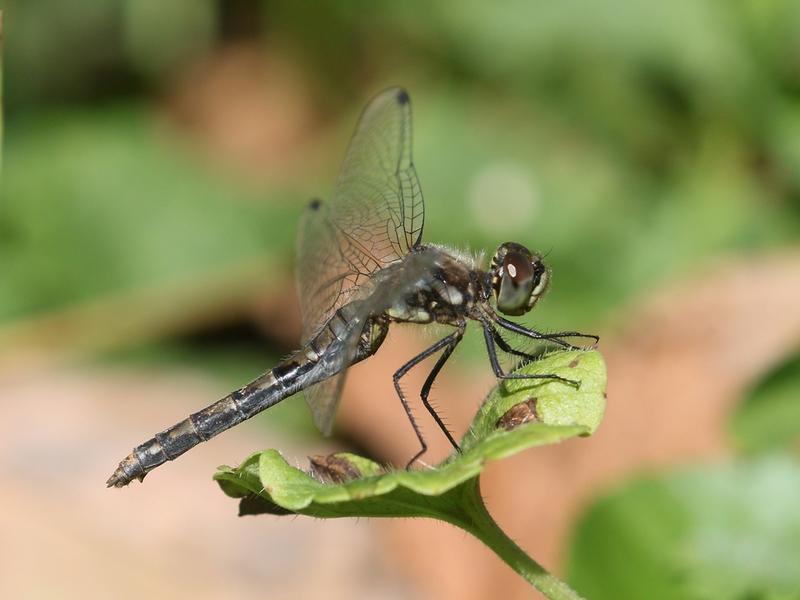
pixel 506 347
pixel 550 337
pixel 414 458
pixel 489 338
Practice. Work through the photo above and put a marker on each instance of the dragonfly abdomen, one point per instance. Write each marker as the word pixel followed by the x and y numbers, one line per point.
pixel 269 389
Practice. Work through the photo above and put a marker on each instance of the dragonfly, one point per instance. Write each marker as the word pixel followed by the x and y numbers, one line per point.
pixel 361 267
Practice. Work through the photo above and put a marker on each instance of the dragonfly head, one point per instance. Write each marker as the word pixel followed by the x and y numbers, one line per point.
pixel 518 278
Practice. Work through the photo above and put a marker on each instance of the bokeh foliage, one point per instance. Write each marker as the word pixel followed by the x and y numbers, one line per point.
pixel 631 141
pixel 722 532
pixel 681 119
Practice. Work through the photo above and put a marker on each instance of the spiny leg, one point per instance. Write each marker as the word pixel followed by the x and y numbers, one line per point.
pixel 551 337
pixel 498 370
pixel 405 369
pixel 454 338
pixel 527 357
pixel 557 335
pixel 506 347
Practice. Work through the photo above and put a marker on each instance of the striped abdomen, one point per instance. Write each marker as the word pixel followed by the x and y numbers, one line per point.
pixel 269 389
pixel 320 359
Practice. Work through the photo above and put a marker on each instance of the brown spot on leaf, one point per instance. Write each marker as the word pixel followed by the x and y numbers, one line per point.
pixel 333 469
pixel 574 362
pixel 519 414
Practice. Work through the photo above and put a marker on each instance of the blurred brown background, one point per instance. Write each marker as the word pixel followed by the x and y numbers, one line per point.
pixel 157 157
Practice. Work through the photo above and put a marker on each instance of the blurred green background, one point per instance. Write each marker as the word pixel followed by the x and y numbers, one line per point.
pixel 158 155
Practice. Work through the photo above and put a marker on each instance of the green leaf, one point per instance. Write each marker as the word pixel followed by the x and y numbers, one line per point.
pixel 725 532
pixel 134 210
pixel 517 415
pixel 769 418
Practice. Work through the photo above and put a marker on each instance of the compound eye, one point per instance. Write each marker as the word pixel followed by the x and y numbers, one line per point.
pixel 518 268
pixel 516 284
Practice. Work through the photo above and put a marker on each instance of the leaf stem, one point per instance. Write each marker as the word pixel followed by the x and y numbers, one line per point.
pixel 477 521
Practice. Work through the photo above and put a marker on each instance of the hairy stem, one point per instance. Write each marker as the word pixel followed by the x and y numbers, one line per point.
pixel 476 520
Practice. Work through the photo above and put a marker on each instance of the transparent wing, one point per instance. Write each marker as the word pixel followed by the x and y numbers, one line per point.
pixel 323 400
pixel 332 285
pixel 374 218
pixel 325 277
pixel 377 202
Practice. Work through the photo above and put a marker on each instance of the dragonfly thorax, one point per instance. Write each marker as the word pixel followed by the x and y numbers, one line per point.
pixel 446 293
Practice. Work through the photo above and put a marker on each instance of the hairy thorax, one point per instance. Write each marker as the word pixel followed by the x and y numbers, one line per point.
pixel 446 294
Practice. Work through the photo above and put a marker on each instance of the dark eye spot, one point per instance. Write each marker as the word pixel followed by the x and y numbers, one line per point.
pixel 517 267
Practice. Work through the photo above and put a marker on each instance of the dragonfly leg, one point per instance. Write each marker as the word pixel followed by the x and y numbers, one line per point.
pixel 557 335
pixel 498 370
pixel 506 347
pixel 550 337
pixel 454 339
pixel 446 342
